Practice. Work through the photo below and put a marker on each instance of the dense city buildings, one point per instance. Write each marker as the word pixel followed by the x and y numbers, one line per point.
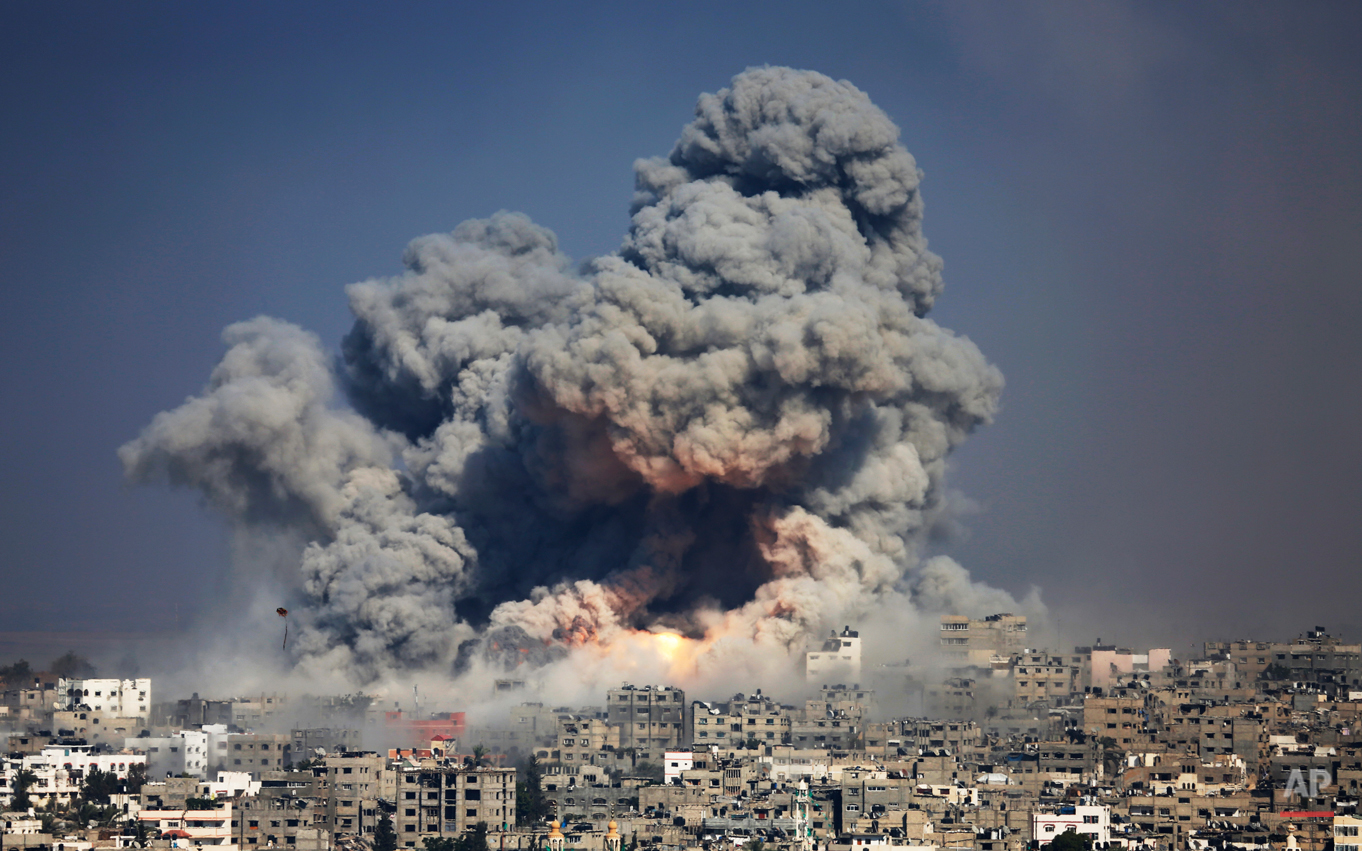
pixel 1250 744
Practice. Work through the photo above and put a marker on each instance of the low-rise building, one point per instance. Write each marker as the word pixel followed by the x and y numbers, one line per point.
pixel 1085 820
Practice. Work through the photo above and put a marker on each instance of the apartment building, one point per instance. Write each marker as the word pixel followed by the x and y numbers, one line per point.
pixel 1043 677
pixel 1111 666
pixel 1347 831
pixel 1250 658
pixel 651 718
pixel 836 660
pixel 59 770
pixel 740 719
pixel 579 739
pixel 354 783
pixel 444 801
pixel 106 697
pixel 198 828
pixel 285 813
pixel 1093 821
pixel 186 752
pixel 256 753
pixel 313 741
pixel 1121 719
pixel 975 643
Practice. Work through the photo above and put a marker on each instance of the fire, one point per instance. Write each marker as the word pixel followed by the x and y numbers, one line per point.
pixel 669 644
pixel 660 654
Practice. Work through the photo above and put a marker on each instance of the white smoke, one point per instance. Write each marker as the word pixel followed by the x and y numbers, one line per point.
pixel 735 427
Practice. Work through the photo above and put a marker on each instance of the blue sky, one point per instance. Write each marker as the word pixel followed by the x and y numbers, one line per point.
pixel 1148 213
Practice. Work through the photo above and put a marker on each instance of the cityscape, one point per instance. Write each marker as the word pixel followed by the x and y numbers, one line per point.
pixel 1252 744
pixel 770 426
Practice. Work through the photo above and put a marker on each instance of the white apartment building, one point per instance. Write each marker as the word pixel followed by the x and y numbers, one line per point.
pixel 837 659
pixel 1347 833
pixel 186 752
pixel 675 763
pixel 60 770
pixel 116 698
pixel 1092 820
pixel 194 828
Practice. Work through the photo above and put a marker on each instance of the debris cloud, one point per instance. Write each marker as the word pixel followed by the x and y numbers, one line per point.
pixel 706 447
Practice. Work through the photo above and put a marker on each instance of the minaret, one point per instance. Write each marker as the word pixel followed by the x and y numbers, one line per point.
pixel 802 804
pixel 555 837
pixel 612 837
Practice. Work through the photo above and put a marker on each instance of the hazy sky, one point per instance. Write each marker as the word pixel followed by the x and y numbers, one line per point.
pixel 1150 216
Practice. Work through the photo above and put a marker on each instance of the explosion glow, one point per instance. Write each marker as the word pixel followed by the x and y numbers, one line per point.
pixel 735 427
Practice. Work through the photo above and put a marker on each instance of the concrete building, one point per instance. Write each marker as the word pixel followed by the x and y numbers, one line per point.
pixel 677 762
pixel 1091 820
pixel 200 828
pixel 836 660
pixel 1121 719
pixel 651 718
pixel 355 782
pixel 740 719
pixel 307 743
pixel 95 728
pixel 256 753
pixel 60 769
pixel 1347 833
pixel 186 752
pixel 251 712
pixel 1250 658
pixel 836 731
pixel 846 699
pixel 1319 658
pixel 192 711
pixel 579 740
pixel 1111 666
pixel 106 697
pixel 975 643
pixel 1043 677
pixel 444 801
pixel 281 817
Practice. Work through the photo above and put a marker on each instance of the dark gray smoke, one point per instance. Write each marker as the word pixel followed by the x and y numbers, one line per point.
pixel 735 425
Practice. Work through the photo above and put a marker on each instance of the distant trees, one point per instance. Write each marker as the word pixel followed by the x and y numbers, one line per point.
pixel 23 781
pixel 385 837
pixel 473 839
pixel 531 808
pixel 1071 841
pixel 478 758
pixel 99 786
pixel 137 775
pixel 16 674
pixel 70 666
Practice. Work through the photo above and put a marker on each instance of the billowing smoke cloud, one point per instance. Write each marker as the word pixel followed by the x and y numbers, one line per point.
pixel 735 427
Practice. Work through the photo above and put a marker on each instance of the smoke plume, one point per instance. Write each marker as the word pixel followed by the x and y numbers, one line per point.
pixel 734 428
